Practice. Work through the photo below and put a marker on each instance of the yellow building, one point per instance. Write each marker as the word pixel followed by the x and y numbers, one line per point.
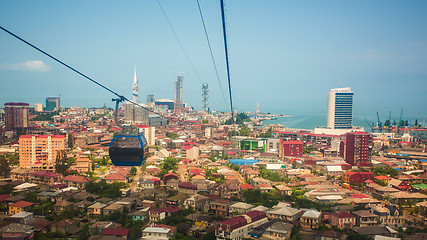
pixel 39 151
pixel 19 207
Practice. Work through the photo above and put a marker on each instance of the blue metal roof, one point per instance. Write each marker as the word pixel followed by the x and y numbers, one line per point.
pixel 243 161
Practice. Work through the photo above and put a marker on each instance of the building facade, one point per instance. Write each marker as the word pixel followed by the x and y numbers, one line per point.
pixel 39 151
pixel 340 108
pixel 16 115
pixel 290 148
pixel 358 148
pixel 52 104
pixel 179 96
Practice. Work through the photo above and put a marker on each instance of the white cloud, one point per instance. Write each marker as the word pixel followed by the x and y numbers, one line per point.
pixel 35 65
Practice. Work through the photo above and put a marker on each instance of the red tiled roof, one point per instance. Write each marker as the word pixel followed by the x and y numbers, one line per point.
pixel 22 204
pixel 343 215
pixel 187 147
pixel 172 209
pixel 246 186
pixel 116 232
pixel 382 177
pixel 45 174
pixel 256 215
pixel 74 178
pixel 115 176
pixel 173 229
pixel 4 197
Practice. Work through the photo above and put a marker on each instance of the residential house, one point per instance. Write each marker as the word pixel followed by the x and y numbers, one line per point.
pixel 220 207
pixel 64 205
pixel 187 188
pixel 116 232
pixel 147 184
pixel 389 215
pixel 116 177
pixel 17 231
pixel 66 226
pixel 114 207
pixel 365 218
pixel 398 184
pixel 157 233
pixel 406 199
pixel 240 226
pixel 96 209
pixel 284 190
pixel 357 177
pixel 311 219
pixel 20 206
pixel 75 181
pixel 342 219
pixel 279 230
pixel 240 208
pixel 284 213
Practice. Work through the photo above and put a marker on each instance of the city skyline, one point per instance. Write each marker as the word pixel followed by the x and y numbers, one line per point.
pixel 284 55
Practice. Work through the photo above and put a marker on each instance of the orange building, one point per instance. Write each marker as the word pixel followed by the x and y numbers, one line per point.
pixel 39 151
pixel 19 207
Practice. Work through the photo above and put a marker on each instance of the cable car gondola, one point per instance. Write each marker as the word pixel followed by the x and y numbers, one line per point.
pixel 128 147
pixel 128 150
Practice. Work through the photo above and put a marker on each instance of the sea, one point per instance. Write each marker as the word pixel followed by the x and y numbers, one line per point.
pixel 303 121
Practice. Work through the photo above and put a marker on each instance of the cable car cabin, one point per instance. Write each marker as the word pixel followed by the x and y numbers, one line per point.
pixel 128 150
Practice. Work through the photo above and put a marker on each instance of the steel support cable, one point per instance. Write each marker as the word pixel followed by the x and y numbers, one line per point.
pixel 210 50
pixel 226 57
pixel 121 97
pixel 179 41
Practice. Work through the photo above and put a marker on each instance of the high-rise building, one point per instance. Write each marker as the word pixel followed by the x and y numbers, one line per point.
pixel 135 88
pixel 358 148
pixel 38 107
pixel 52 104
pixel 39 151
pixel 179 86
pixel 135 114
pixel 205 97
pixel 16 115
pixel 150 100
pixel 340 108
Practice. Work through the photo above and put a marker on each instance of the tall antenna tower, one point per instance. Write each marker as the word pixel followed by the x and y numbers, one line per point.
pixel 205 97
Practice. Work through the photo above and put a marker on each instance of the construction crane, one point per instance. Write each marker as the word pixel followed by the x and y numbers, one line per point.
pixel 370 125
pixel 379 124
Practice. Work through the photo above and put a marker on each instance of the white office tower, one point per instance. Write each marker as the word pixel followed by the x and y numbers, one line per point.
pixel 340 108
pixel 179 86
pixel 135 88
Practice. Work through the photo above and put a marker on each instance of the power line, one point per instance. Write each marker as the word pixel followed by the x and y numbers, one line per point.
pixel 226 58
pixel 121 97
pixel 210 50
pixel 177 38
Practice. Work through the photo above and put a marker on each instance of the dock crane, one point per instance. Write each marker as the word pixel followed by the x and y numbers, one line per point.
pixel 379 124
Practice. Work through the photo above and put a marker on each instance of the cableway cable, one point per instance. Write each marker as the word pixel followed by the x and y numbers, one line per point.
pixel 226 58
pixel 121 98
pixel 210 50
pixel 179 41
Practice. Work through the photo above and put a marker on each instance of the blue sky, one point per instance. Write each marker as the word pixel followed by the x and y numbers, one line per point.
pixel 284 54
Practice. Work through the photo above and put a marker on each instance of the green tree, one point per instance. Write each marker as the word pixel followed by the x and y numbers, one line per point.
pixel 205 121
pixel 172 135
pixel 62 163
pixel 4 167
pixel 133 171
pixel 70 141
pixel 245 131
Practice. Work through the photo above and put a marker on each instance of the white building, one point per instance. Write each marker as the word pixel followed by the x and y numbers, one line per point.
pixel 38 107
pixel 340 108
pixel 149 134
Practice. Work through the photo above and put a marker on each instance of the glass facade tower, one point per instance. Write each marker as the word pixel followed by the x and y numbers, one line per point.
pixel 340 108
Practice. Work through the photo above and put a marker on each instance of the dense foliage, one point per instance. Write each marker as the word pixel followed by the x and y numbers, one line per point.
pixel 270 175
pixel 104 189
pixel 4 167
pixel 386 171
pixel 169 163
